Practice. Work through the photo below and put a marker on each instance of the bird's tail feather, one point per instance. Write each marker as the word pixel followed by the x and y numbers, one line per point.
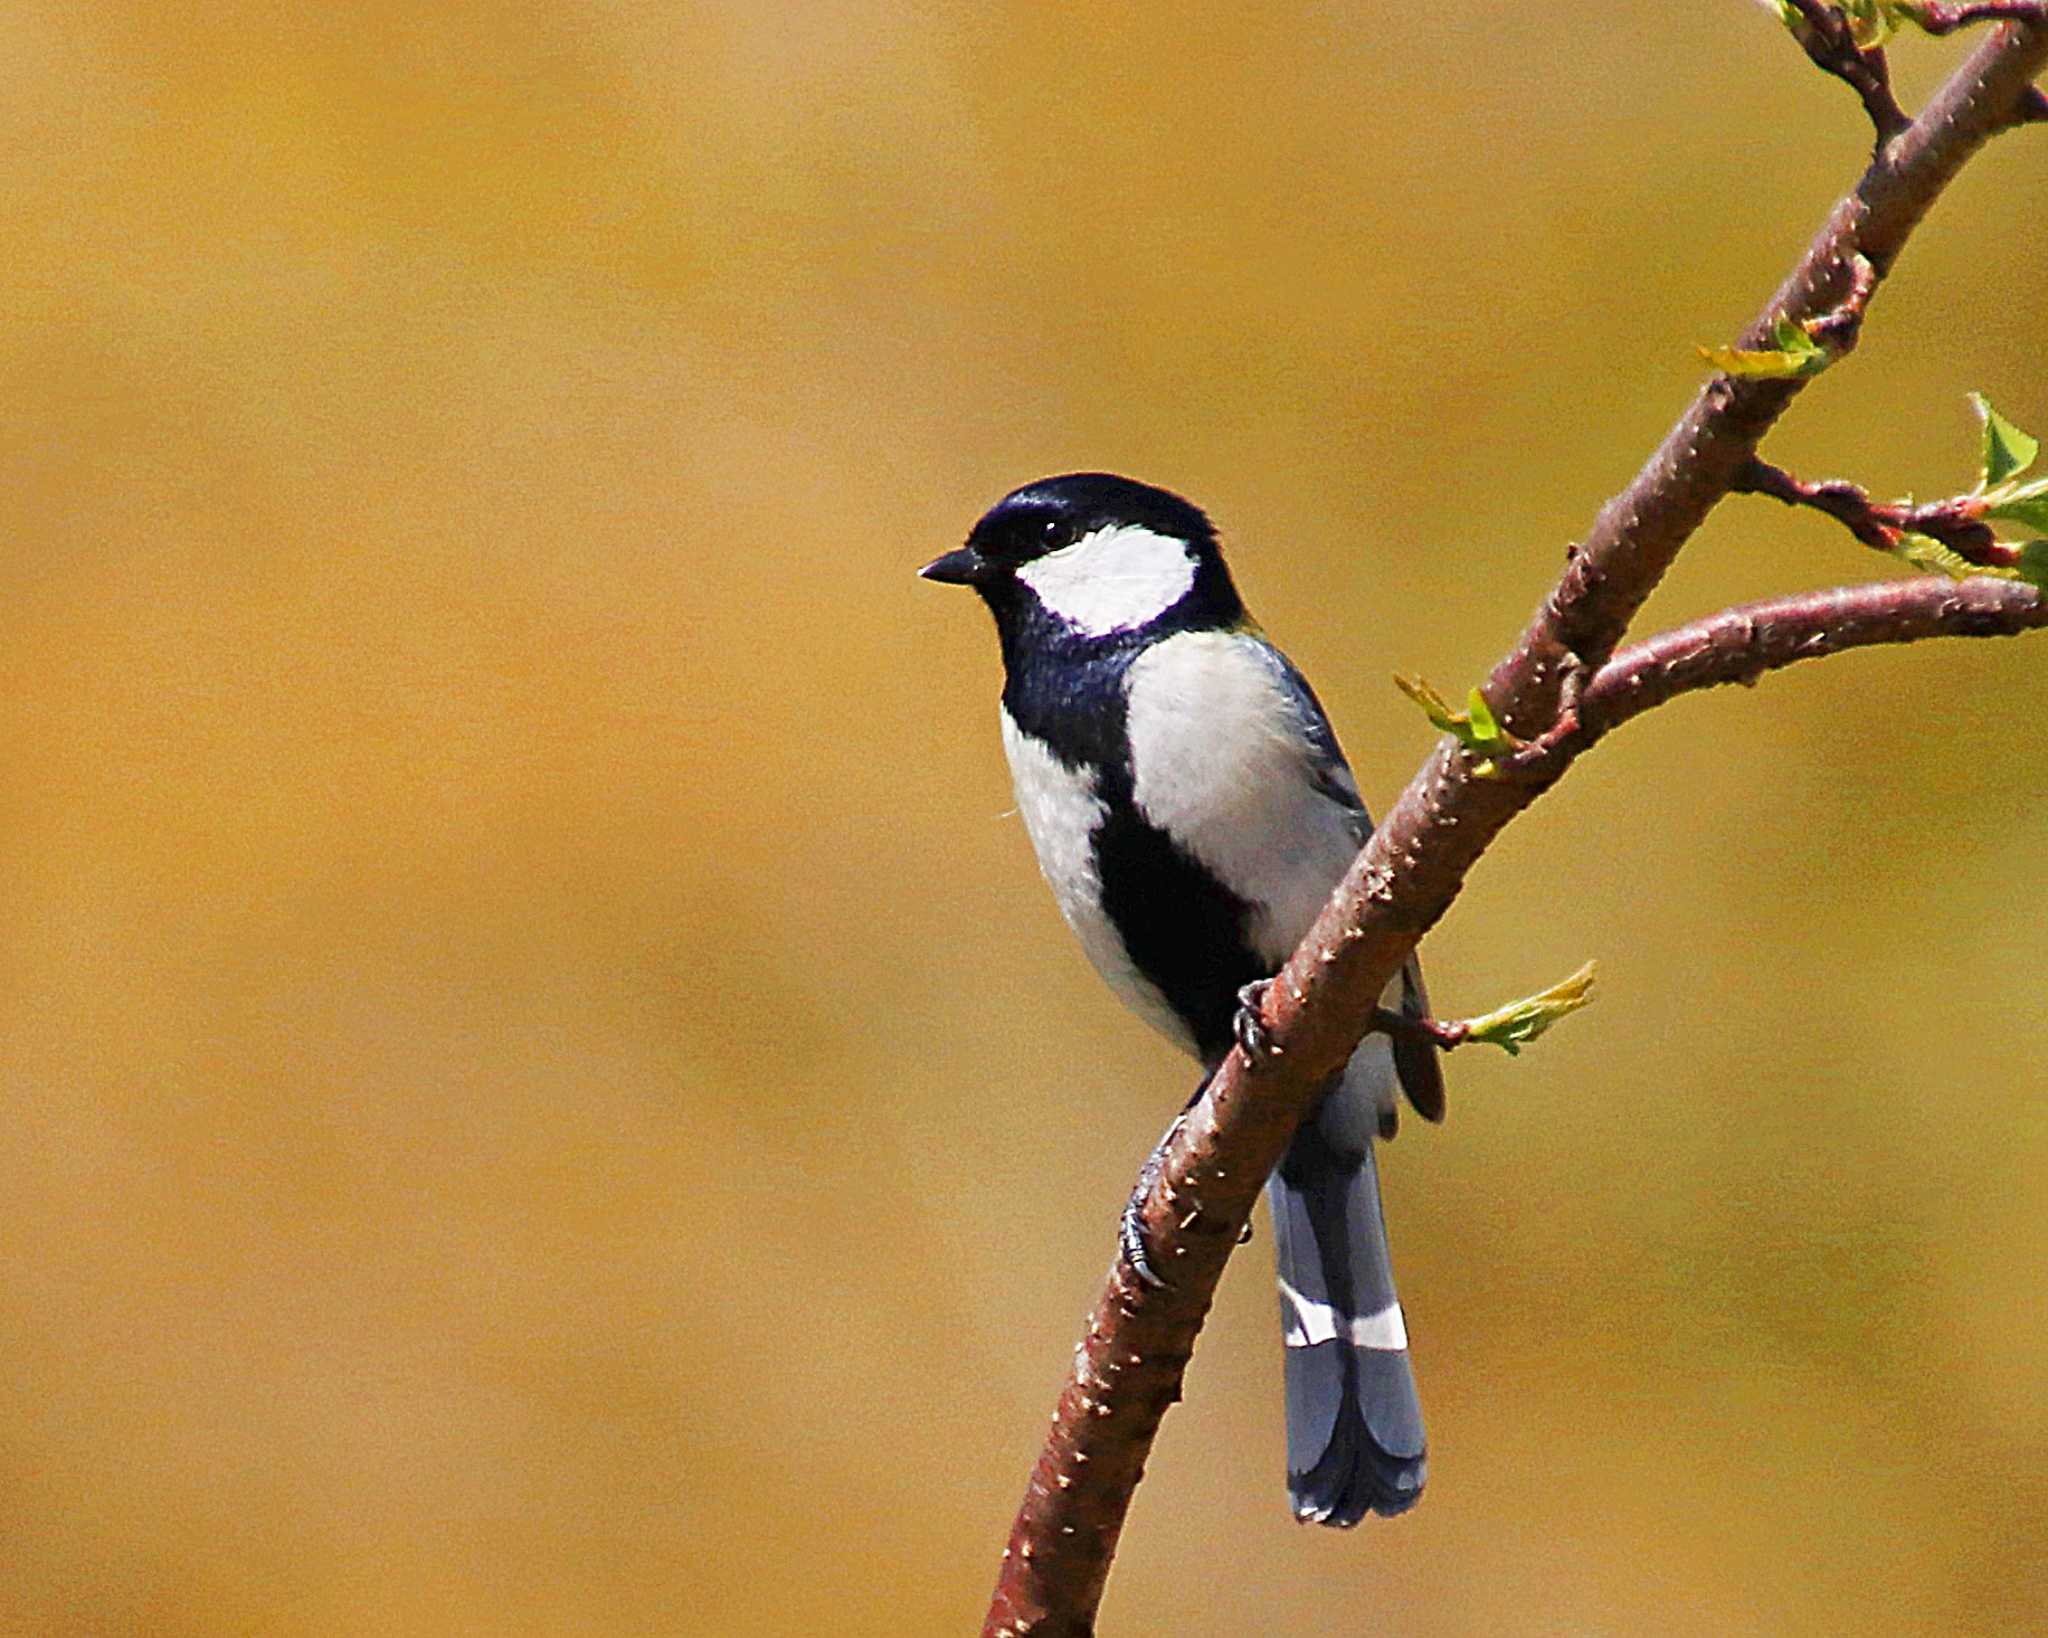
pixel 1354 1422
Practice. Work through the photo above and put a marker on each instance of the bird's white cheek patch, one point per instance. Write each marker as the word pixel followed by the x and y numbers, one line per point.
pixel 1306 1322
pixel 1112 580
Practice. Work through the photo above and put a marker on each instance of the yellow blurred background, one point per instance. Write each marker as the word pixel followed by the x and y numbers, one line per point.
pixel 542 1092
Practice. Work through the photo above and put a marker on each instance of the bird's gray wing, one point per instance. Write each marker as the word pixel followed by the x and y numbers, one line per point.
pixel 1416 1063
pixel 1331 773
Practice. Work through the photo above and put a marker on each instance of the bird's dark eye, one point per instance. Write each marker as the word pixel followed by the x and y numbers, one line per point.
pixel 1025 535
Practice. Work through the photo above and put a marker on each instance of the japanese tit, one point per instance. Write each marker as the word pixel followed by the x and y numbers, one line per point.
pixel 1191 812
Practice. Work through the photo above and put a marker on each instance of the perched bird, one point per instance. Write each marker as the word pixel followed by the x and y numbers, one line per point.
pixel 1191 812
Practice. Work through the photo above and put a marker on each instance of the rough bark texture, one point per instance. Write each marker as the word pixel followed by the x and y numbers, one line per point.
pixel 1739 645
pixel 1129 1365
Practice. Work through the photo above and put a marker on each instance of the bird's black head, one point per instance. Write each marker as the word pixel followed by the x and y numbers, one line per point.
pixel 1091 555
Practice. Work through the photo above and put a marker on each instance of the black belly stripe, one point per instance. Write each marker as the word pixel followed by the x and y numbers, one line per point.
pixel 1183 929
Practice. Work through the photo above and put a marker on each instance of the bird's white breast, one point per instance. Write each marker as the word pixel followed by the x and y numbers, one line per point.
pixel 1221 762
pixel 1061 812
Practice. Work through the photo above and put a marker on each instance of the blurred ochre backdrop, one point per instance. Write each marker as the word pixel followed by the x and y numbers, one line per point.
pixel 541 1091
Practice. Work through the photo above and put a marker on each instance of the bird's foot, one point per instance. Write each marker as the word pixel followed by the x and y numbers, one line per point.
pixel 1130 1232
pixel 1249 1028
pixel 1131 1238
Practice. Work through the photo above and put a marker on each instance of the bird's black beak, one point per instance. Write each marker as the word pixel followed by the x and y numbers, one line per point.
pixel 961 568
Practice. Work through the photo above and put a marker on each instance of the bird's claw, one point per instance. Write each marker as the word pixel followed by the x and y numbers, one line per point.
pixel 1130 1237
pixel 1249 1028
pixel 1130 1228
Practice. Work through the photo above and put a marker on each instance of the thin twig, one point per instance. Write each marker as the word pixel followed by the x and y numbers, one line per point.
pixel 1957 523
pixel 1936 18
pixel 1739 645
pixel 1428 1031
pixel 1828 39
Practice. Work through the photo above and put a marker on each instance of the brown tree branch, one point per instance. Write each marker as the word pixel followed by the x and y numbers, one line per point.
pixel 1129 1365
pixel 1739 645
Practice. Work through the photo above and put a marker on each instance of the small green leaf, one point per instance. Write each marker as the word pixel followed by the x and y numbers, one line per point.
pixel 2033 563
pixel 1480 715
pixel 1796 340
pixel 1515 1025
pixel 2023 503
pixel 1929 556
pixel 1486 735
pixel 1474 727
pixel 1871 22
pixel 1797 354
pixel 1751 363
pixel 1434 705
pixel 1786 13
pixel 2007 451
